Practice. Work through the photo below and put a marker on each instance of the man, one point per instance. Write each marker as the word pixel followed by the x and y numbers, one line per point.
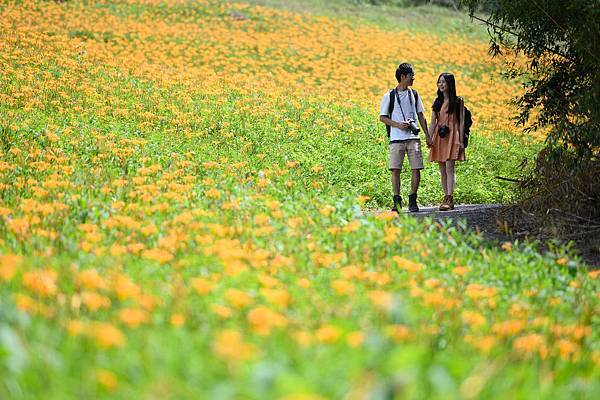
pixel 404 133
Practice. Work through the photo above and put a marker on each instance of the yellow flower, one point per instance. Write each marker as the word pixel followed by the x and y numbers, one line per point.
pixel 407 265
pixel 531 344
pixel 8 266
pixel 238 298
pixel 133 317
pixel 342 287
pixel 42 282
pixel 95 301
pixel 461 270
pixel 222 312
pixel 484 343
pixel 91 279
pixel 381 299
pixel 107 379
pixel 202 286
pixel 398 333
pixel 75 327
pixel 355 339
pixel 305 283
pixel 263 320
pixel 177 320
pixel 125 288
pixel 567 349
pixel 107 336
pixel 278 297
pixel 230 345
pixel 473 319
pixel 328 334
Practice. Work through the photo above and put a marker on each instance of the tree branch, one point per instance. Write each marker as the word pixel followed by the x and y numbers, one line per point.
pixel 473 16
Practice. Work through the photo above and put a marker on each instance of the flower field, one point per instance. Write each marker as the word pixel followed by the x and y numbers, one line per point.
pixel 185 213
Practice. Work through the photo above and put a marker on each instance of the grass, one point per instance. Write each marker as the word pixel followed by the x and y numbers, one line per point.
pixel 431 19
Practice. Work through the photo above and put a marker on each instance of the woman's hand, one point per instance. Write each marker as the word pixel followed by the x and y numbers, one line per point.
pixel 429 141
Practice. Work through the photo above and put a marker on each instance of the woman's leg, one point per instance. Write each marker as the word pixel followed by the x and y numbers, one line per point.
pixel 442 167
pixel 450 177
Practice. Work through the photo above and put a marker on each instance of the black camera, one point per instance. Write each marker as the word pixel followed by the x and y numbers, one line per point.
pixel 443 131
pixel 413 127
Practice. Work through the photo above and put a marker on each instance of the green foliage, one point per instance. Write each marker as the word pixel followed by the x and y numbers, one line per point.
pixel 560 41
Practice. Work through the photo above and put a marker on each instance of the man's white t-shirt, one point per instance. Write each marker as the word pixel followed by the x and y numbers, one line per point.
pixel 407 102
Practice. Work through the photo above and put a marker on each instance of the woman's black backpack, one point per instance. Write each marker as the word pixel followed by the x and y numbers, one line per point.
pixel 468 123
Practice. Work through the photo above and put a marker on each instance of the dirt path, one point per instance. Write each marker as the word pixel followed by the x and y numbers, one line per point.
pixel 479 217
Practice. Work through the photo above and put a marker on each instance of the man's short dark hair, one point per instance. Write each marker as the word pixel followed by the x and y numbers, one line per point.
pixel 403 69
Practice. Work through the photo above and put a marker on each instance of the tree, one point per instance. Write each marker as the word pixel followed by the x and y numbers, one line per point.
pixel 560 39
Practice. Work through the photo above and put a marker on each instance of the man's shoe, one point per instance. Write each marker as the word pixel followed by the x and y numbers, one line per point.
pixel 397 204
pixel 412 203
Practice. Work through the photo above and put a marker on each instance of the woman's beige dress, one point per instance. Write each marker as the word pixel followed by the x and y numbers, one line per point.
pixel 447 148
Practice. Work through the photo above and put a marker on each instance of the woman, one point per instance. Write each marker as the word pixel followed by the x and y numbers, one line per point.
pixel 447 123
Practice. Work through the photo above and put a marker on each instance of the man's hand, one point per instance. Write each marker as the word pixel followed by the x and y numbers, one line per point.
pixel 429 141
pixel 403 125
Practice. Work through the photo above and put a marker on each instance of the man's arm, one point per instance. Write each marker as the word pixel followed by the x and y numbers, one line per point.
pixel 392 123
pixel 423 123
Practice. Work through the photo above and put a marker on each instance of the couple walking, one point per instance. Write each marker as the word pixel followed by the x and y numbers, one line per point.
pixel 400 109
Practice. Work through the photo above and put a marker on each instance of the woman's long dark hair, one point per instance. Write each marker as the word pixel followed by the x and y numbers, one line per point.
pixel 437 104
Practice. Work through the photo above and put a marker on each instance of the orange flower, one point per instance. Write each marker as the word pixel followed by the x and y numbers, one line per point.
pixel 355 339
pixel 473 319
pixel 8 266
pixel 263 320
pixel 328 334
pixel 222 312
pixel 278 297
pixel 133 317
pixel 107 379
pixel 381 299
pixel 342 287
pixel 238 298
pixel 177 320
pixel 461 270
pixel 42 282
pixel 407 265
pixel 398 333
pixel 95 301
pixel 126 288
pixel 567 349
pixel 230 345
pixel 530 345
pixel 203 286
pixel 91 279
pixel 107 336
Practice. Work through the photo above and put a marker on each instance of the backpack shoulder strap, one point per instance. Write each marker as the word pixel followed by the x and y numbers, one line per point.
pixel 392 100
pixel 416 96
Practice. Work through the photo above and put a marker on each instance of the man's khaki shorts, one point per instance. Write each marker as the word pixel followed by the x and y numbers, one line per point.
pixel 412 147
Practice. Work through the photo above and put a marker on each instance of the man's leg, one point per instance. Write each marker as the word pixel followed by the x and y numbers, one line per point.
pixel 415 158
pixel 397 200
pixel 395 165
pixel 396 182
pixel 415 181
